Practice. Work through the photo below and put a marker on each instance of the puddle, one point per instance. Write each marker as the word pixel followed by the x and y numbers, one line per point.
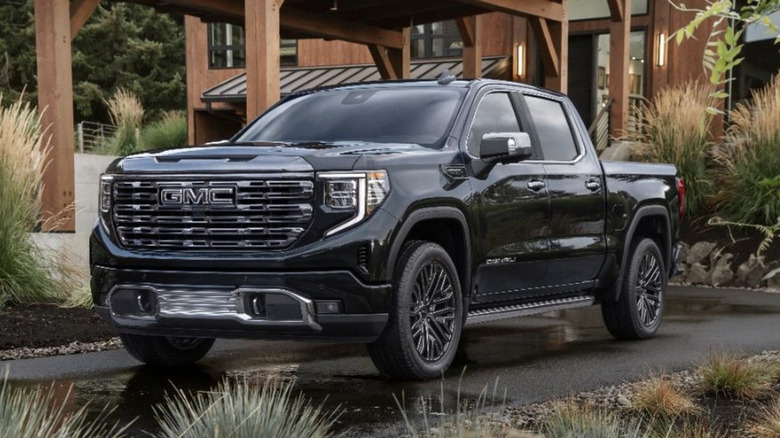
pixel 342 375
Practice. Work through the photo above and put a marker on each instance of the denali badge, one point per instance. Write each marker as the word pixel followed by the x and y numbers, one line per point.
pixel 170 197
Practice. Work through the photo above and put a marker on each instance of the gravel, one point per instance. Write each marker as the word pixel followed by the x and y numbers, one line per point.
pixel 72 348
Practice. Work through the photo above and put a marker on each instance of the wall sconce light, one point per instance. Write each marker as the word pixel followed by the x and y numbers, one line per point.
pixel 661 50
pixel 520 59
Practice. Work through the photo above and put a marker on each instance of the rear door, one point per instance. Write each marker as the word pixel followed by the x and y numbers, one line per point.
pixel 576 190
pixel 511 207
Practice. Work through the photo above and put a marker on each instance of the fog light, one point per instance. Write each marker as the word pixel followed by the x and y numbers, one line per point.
pixel 144 302
pixel 329 306
pixel 257 304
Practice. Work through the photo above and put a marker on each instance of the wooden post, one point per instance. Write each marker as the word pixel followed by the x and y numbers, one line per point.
pixel 470 29
pixel 401 58
pixel 559 31
pixel 261 23
pixel 619 45
pixel 55 101
pixel 659 74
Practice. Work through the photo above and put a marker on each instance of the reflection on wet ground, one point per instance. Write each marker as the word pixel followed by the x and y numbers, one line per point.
pixel 342 375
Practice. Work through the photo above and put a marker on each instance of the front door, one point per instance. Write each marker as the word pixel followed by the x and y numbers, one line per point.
pixel 511 209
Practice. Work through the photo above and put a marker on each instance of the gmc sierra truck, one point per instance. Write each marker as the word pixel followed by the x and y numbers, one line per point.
pixel 393 214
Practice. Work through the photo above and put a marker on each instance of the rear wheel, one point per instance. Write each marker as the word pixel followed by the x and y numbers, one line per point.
pixel 426 320
pixel 166 350
pixel 637 314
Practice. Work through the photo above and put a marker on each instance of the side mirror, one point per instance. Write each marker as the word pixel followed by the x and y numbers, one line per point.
pixel 505 146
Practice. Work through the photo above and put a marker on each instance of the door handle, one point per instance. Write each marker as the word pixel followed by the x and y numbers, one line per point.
pixel 536 185
pixel 593 185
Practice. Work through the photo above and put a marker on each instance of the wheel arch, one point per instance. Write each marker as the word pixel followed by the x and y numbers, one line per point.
pixel 446 226
pixel 651 221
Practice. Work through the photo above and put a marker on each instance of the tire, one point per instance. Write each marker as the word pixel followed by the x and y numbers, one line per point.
pixel 424 272
pixel 166 351
pixel 637 313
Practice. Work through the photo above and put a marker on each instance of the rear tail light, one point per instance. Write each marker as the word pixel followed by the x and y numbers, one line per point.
pixel 681 196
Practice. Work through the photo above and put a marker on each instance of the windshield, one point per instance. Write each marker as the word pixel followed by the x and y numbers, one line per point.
pixel 384 115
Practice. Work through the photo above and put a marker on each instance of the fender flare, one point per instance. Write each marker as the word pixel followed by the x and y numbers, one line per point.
pixel 641 213
pixel 428 213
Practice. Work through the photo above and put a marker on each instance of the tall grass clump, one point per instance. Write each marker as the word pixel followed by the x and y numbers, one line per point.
pixel 241 411
pixel 127 114
pixel 25 275
pixel 36 413
pixel 660 398
pixel 726 376
pixel 569 420
pixel 675 129
pixel 750 160
pixel 169 132
pixel 767 424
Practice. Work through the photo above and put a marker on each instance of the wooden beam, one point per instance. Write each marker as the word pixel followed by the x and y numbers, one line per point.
pixel 470 29
pixel 230 10
pixel 401 58
pixel 382 61
pixel 547 48
pixel 619 53
pixel 547 9
pixel 262 55
pixel 335 28
pixel 616 10
pixel 55 101
pixel 80 11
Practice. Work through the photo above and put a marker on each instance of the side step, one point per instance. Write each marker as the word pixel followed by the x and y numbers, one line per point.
pixel 512 311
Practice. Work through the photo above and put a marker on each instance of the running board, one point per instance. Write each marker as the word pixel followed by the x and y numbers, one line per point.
pixel 505 312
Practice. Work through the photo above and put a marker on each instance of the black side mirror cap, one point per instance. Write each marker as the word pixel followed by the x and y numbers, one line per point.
pixel 505 146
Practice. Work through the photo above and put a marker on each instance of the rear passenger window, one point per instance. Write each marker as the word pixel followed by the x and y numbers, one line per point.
pixel 552 126
pixel 494 114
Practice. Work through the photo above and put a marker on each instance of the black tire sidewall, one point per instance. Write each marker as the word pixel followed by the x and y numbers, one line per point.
pixel 408 271
pixel 629 287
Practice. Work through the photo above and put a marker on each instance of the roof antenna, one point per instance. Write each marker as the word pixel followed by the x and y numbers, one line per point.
pixel 446 77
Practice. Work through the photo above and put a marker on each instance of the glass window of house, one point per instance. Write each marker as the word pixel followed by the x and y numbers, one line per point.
pixel 227 47
pixel 594 9
pixel 438 39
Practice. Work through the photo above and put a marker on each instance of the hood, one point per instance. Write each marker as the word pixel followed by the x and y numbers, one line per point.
pixel 259 157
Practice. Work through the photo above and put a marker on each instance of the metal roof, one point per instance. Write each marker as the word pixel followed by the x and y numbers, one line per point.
pixel 294 79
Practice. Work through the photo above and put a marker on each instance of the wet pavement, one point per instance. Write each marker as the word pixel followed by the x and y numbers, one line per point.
pixel 531 359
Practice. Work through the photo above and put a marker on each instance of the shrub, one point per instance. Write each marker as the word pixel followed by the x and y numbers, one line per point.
pixel 727 376
pixel 170 132
pixel 675 129
pixel 35 413
pixel 241 411
pixel 127 114
pixel 750 159
pixel 80 297
pixel 660 398
pixel 25 275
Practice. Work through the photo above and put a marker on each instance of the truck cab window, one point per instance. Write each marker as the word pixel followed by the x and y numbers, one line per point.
pixel 494 114
pixel 552 126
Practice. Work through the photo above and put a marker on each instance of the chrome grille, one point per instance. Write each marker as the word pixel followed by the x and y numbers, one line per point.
pixel 256 213
pixel 183 303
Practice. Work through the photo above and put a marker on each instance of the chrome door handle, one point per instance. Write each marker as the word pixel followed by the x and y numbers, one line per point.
pixel 536 185
pixel 593 185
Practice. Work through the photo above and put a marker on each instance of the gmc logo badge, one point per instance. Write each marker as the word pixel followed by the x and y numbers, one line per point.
pixel 171 197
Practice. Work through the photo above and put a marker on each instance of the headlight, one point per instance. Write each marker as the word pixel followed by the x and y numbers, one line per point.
pixel 361 192
pixel 106 184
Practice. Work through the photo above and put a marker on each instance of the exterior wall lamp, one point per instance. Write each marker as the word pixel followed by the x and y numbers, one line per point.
pixel 661 58
pixel 520 59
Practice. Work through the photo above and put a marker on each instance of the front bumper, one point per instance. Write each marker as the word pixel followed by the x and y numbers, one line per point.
pixel 214 303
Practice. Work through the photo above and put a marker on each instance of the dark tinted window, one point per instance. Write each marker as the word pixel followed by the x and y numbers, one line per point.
pixel 552 126
pixel 494 114
pixel 384 115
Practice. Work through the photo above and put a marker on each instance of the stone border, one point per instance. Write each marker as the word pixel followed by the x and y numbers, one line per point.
pixel 707 265
pixel 72 348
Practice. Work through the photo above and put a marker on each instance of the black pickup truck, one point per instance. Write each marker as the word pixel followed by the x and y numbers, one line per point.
pixel 393 214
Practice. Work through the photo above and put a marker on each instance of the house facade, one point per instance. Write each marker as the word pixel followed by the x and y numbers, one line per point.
pixel 216 92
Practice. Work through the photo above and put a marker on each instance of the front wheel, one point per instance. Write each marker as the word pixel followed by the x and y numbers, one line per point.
pixel 166 350
pixel 426 320
pixel 637 313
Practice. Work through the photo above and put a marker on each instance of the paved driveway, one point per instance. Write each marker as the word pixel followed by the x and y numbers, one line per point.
pixel 534 358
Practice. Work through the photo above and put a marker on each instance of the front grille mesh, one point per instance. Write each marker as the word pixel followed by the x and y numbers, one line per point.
pixel 267 213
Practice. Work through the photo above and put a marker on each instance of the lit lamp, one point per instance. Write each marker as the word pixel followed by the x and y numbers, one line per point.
pixel 520 60
pixel 661 50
